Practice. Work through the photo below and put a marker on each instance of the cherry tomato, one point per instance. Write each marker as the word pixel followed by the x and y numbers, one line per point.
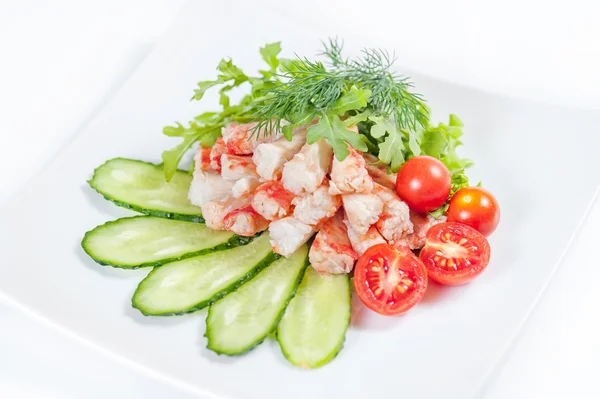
pixel 390 280
pixel 475 207
pixel 423 182
pixel 454 253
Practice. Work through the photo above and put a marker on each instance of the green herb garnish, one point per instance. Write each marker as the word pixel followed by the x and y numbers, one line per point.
pixel 392 120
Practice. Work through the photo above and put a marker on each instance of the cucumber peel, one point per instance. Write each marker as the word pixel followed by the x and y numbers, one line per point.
pixel 141 187
pixel 313 328
pixel 142 241
pixel 243 319
pixel 194 283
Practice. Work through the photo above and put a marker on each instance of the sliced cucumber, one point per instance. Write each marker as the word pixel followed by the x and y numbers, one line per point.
pixel 243 319
pixel 141 186
pixel 312 330
pixel 140 241
pixel 194 283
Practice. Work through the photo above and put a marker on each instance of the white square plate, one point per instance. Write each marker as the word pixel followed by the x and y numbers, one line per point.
pixel 537 159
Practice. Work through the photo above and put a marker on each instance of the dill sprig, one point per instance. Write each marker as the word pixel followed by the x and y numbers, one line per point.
pixel 309 89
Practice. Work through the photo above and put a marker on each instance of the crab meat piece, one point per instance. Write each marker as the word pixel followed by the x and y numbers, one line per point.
pixel 272 200
pixel 331 251
pixel 208 186
pixel 202 158
pixel 362 210
pixel 245 186
pixel 316 207
pixel 217 150
pixel 350 175
pixel 289 234
pixel 421 224
pixel 214 212
pixel 245 221
pixel 271 157
pixel 235 167
pixel 305 172
pixel 394 222
pixel 379 173
pixel 362 242
pixel 242 140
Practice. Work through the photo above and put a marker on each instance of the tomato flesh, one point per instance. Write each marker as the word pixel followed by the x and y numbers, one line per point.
pixel 424 183
pixel 390 280
pixel 475 207
pixel 454 253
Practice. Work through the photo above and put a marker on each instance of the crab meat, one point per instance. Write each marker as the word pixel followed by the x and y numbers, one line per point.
pixel 289 234
pixel 394 223
pixel 331 251
pixel 245 186
pixel 350 175
pixel 202 158
pixel 362 210
pixel 305 172
pixel 208 186
pixel 242 140
pixel 362 242
pixel 272 200
pixel 245 221
pixel 217 150
pixel 421 224
pixel 379 173
pixel 235 167
pixel 214 212
pixel 316 207
pixel 271 157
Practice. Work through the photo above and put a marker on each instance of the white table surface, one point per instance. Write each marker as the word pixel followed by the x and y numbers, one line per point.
pixel 62 60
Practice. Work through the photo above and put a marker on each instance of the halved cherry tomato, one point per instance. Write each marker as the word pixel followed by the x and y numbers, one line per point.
pixel 475 207
pixel 454 253
pixel 390 280
pixel 424 183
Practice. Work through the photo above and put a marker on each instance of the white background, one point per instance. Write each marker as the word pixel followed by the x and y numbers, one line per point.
pixel 60 61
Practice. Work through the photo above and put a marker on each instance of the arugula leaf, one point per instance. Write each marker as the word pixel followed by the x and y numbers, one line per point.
pixel 382 126
pixel 355 98
pixel 360 117
pixel 231 72
pixel 391 150
pixel 174 131
pixel 269 54
pixel 223 97
pixel 203 86
pixel 332 129
pixel 208 118
pixel 287 131
pixel 414 141
pixel 172 157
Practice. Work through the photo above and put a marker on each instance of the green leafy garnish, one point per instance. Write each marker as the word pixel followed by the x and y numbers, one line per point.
pixel 332 129
pixel 347 88
pixel 441 142
pixel 341 94
pixel 206 127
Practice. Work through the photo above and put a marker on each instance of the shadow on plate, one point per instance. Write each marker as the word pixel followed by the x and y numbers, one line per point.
pixel 363 318
pixel 437 293
pixel 162 321
pixel 106 207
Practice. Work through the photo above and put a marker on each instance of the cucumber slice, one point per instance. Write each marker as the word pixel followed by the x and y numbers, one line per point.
pixel 243 319
pixel 141 241
pixel 194 283
pixel 312 330
pixel 141 186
